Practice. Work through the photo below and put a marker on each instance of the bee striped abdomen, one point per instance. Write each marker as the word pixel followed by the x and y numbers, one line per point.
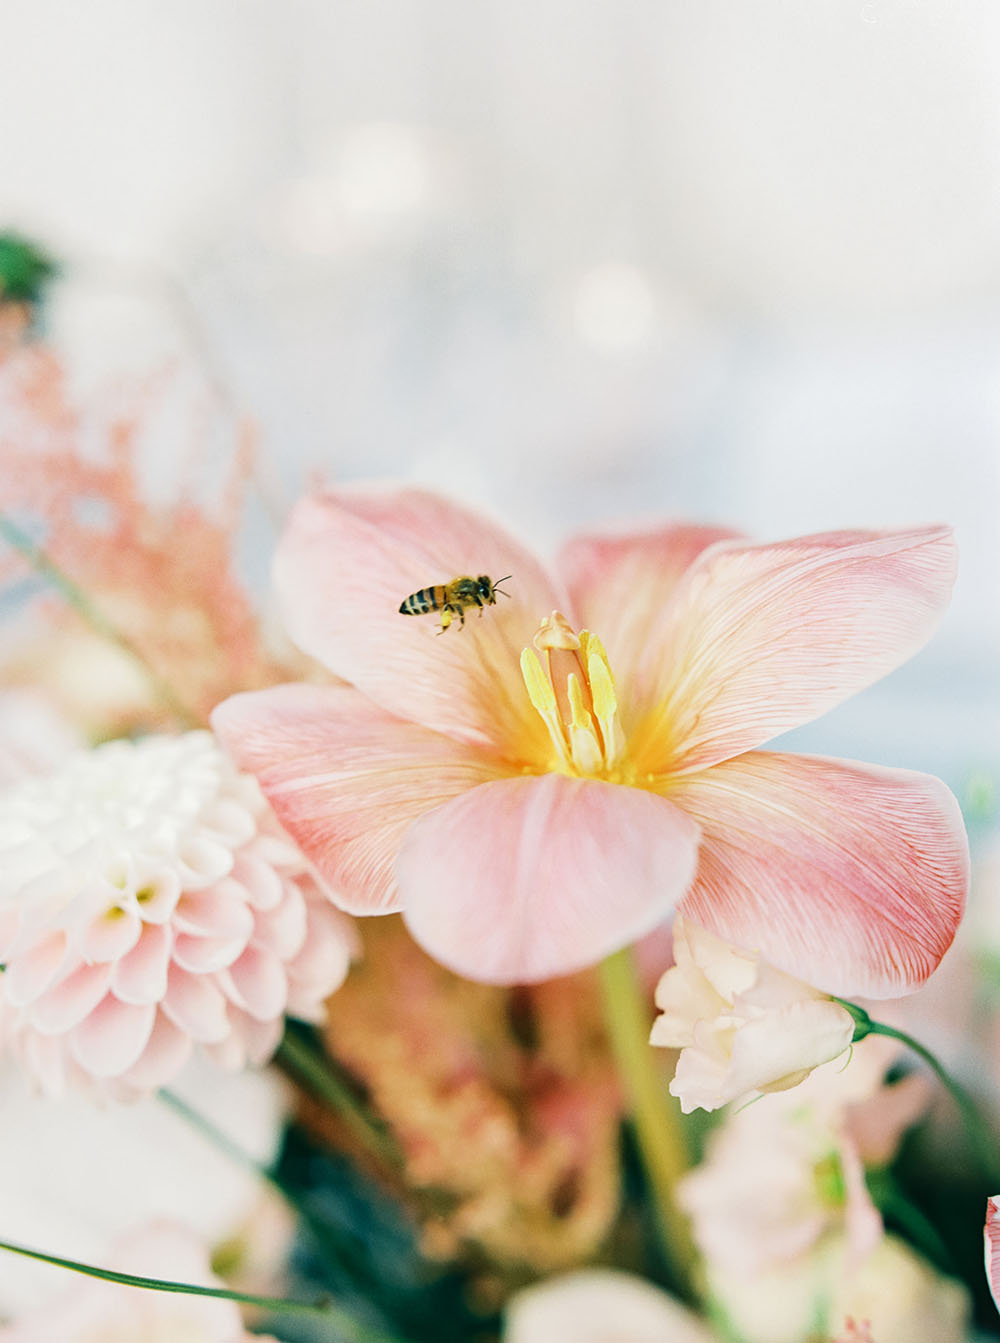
pixel 419 603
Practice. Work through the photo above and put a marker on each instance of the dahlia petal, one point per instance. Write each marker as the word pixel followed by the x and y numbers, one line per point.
pixel 620 587
pixel 523 879
pixel 10 927
pixel 219 911
pixel 262 885
pixel 203 861
pixel 257 983
pixel 206 955
pixel 29 974
pixel 252 1041
pixel 141 976
pixel 112 1037
pixel 66 1004
pixel 323 963
pixel 848 876
pixel 166 1053
pixel 991 1239
pixel 345 779
pixel 195 1005
pixel 282 931
pixel 760 639
pixel 347 561
pixel 111 935
pixel 158 894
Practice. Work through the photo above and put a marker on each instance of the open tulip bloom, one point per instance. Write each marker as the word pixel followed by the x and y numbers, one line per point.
pixel 549 783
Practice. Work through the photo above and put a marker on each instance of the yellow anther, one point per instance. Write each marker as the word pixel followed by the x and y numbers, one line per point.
pixel 585 745
pixel 602 685
pixel 543 697
pixel 538 685
pixel 577 704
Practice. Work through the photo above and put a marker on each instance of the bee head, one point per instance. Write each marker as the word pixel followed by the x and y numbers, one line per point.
pixel 491 588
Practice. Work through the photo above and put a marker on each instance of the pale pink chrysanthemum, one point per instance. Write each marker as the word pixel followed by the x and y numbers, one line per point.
pixel 536 790
pixel 95 1311
pixel 149 902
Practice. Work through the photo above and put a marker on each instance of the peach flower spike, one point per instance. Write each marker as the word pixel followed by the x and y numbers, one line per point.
pixel 547 784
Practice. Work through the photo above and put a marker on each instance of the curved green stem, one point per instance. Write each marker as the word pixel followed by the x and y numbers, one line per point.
pixel 979 1135
pixel 309 1066
pixel 655 1114
pixel 325 1308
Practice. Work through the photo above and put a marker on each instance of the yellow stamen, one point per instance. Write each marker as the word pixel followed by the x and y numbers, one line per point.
pixel 543 697
pixel 573 690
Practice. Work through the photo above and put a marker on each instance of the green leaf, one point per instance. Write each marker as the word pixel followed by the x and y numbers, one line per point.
pixel 24 269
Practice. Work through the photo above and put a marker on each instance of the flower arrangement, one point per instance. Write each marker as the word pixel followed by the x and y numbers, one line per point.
pixel 556 964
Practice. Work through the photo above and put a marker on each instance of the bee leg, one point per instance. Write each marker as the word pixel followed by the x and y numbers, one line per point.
pixel 461 617
pixel 447 614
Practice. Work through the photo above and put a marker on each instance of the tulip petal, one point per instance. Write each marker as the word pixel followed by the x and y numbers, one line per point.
pixel 620 587
pixel 350 558
pixel 345 779
pixel 991 1239
pixel 848 876
pixel 527 878
pixel 760 639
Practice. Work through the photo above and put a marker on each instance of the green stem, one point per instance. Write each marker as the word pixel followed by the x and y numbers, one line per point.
pixel 325 1308
pixel 75 597
pixel 307 1065
pixel 655 1114
pixel 979 1135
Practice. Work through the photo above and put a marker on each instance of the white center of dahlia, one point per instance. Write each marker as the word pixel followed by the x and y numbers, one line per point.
pixel 119 823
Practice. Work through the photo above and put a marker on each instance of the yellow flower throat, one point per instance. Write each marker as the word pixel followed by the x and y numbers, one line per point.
pixel 570 684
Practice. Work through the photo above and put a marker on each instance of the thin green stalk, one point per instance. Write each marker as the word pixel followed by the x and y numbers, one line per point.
pixel 655 1114
pixel 292 1197
pixel 220 1140
pixel 75 597
pixel 309 1066
pixel 979 1136
pixel 325 1308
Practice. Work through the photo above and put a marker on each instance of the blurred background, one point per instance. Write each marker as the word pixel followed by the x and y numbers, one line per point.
pixel 578 263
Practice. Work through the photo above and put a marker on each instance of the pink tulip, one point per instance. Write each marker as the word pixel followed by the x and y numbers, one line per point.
pixel 533 798
pixel 991 1246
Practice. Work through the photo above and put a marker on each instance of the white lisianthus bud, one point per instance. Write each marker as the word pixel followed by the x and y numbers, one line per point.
pixel 600 1305
pixel 742 1026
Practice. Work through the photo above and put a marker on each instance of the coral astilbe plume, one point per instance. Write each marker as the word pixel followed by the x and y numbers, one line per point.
pixel 73 477
pixel 148 903
pixel 533 795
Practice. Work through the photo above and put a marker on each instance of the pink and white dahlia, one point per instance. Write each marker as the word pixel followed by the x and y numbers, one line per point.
pixel 150 902
pixel 549 782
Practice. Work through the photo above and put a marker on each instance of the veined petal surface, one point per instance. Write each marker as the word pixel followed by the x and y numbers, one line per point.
pixel 991 1246
pixel 620 588
pixel 527 878
pixel 759 639
pixel 848 876
pixel 348 560
pixel 346 779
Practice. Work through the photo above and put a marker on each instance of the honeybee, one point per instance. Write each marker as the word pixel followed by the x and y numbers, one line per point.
pixel 452 598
